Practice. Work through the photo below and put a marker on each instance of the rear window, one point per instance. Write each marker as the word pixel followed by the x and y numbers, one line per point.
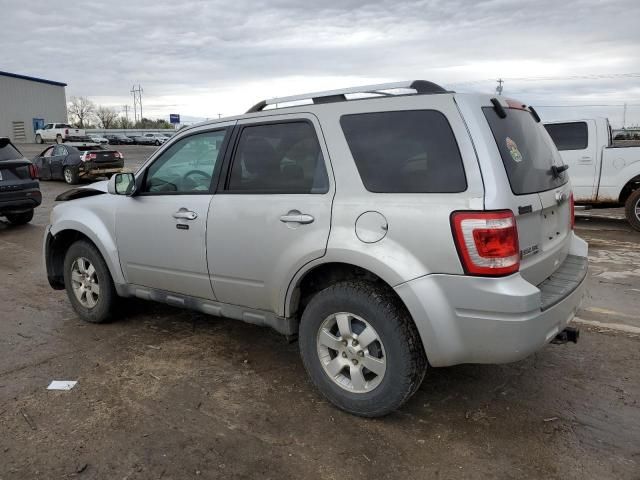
pixel 527 151
pixel 569 136
pixel 405 152
pixel 8 151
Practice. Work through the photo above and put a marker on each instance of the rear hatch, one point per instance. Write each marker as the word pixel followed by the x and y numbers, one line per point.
pixel 16 172
pixel 538 191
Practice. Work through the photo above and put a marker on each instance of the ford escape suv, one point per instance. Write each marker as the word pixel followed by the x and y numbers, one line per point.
pixel 390 227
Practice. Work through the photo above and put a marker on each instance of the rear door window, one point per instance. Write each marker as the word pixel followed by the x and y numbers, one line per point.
pixel 570 135
pixel 411 151
pixel 527 151
pixel 278 158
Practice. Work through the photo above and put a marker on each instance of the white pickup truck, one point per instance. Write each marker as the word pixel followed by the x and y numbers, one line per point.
pixel 59 133
pixel 601 173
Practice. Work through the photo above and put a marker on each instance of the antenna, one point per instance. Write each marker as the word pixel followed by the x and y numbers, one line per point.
pixel 499 87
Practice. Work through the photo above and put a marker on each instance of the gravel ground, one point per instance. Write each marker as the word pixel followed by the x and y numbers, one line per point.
pixel 167 393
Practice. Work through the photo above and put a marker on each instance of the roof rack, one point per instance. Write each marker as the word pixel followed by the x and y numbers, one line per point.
pixel 422 87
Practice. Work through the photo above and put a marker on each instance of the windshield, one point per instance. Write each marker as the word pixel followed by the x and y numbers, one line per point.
pixel 527 151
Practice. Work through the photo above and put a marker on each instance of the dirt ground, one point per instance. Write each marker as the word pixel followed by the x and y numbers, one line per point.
pixel 171 394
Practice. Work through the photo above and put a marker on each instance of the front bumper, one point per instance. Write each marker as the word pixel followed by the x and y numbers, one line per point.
pixel 464 319
pixel 18 201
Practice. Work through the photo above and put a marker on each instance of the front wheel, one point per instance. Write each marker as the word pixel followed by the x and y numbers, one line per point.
pixel 361 348
pixel 157 143
pixel 39 139
pixel 632 209
pixel 20 218
pixel 59 139
pixel 88 283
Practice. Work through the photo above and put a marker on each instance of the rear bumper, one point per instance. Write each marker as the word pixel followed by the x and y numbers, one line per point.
pixel 20 200
pixel 463 319
pixel 91 169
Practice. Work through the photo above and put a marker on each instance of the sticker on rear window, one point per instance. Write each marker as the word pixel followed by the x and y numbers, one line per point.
pixel 513 150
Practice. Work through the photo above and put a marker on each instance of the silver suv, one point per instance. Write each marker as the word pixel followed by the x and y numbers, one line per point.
pixel 390 227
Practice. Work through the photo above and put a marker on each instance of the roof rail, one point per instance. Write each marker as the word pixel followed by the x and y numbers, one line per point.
pixel 422 87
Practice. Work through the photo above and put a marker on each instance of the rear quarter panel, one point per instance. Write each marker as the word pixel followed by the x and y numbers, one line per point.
pixel 419 239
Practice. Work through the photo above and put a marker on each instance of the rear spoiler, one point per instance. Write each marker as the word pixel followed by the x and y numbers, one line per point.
pixel 502 113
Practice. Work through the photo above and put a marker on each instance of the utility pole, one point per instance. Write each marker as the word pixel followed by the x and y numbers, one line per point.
pixel 137 100
pixel 499 87
pixel 126 112
pixel 624 117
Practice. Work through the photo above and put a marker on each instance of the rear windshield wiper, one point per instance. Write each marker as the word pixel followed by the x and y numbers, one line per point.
pixel 497 106
pixel 557 170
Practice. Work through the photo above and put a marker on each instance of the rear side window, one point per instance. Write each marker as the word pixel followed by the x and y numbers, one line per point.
pixel 527 151
pixel 278 158
pixel 569 136
pixel 405 152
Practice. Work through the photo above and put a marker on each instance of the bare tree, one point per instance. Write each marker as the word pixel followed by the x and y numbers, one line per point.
pixel 107 116
pixel 123 122
pixel 82 110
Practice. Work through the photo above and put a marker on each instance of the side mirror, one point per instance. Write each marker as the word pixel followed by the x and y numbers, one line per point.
pixel 122 184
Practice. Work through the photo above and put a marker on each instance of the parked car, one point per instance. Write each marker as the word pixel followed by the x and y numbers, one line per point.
pixel 601 172
pixel 150 139
pixel 73 161
pixel 19 188
pixel 60 133
pixel 99 139
pixel 381 231
pixel 119 139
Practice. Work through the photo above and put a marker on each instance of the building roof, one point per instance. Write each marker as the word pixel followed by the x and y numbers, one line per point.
pixel 33 79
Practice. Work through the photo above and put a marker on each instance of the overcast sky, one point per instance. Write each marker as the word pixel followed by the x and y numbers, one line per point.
pixel 202 58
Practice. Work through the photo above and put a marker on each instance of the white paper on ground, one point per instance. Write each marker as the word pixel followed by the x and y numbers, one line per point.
pixel 61 385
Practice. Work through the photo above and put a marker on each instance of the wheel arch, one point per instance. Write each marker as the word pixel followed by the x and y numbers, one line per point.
pixel 65 233
pixel 318 275
pixel 629 188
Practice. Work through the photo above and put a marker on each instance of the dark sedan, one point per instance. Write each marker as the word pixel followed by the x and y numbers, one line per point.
pixel 19 188
pixel 118 139
pixel 72 161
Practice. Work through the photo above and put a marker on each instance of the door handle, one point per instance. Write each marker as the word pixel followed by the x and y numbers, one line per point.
pixel 294 216
pixel 185 214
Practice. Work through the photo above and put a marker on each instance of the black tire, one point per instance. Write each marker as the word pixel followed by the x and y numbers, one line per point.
pixel 107 299
pixel 39 139
pixel 20 218
pixel 406 360
pixel 157 143
pixel 59 139
pixel 70 175
pixel 631 206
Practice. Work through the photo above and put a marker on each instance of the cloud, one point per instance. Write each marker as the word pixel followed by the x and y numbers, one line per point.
pixel 208 57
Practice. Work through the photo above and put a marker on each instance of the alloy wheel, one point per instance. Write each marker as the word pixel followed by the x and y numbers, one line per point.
pixel 351 352
pixel 84 282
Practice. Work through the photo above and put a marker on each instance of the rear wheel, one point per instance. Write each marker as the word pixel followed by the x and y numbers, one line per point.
pixel 88 282
pixel 632 209
pixel 20 218
pixel 59 139
pixel 39 139
pixel 361 348
pixel 157 143
pixel 70 175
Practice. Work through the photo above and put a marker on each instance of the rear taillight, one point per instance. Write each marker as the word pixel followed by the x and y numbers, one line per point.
pixel 66 132
pixel 33 171
pixel 572 211
pixel 118 155
pixel 487 242
pixel 88 156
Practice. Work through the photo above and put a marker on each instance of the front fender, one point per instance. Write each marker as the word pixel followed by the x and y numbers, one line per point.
pixel 98 227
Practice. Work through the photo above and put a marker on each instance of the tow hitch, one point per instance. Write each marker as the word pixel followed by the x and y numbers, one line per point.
pixel 569 334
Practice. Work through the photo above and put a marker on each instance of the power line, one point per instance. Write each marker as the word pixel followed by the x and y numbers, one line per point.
pixel 594 76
